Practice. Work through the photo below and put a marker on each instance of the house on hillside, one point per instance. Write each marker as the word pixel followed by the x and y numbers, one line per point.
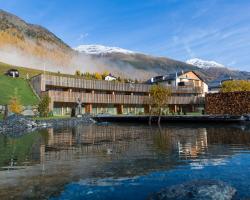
pixel 215 85
pixel 110 77
pixel 185 80
pixel 13 73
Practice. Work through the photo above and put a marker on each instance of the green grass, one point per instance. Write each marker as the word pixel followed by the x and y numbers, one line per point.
pixel 9 85
pixel 22 70
pixel 53 117
pixel 17 148
pixel 1 116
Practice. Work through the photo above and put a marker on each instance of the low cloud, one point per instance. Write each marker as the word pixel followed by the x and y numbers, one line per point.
pixel 76 61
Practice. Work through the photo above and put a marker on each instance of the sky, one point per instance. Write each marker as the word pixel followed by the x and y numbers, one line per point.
pixel 216 30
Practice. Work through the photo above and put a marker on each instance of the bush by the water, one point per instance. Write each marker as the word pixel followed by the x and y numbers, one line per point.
pixel 43 107
pixel 15 104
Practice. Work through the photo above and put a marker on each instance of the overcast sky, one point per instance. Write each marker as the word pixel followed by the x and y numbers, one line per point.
pixel 216 30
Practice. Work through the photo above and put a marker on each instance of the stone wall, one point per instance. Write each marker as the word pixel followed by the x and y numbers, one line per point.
pixel 233 103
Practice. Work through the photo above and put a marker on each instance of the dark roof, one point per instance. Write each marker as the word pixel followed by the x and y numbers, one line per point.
pixel 172 76
pixel 110 75
pixel 15 70
pixel 217 83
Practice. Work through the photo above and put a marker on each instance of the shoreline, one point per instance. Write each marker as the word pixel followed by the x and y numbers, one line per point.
pixel 18 125
pixel 176 118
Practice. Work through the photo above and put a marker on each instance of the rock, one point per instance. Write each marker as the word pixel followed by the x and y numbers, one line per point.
pixel 198 190
pixel 19 124
pixel 28 113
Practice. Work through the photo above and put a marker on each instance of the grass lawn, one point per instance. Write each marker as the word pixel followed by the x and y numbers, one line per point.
pixel 53 117
pixel 8 85
pixel 22 70
pixel 1 117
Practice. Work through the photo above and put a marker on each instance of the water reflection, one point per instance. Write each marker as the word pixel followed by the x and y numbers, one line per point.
pixel 40 164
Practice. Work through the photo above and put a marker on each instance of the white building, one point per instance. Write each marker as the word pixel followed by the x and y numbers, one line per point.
pixel 110 78
pixel 188 79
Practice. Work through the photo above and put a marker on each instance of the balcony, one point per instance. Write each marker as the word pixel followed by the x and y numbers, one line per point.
pixel 72 97
pixel 70 82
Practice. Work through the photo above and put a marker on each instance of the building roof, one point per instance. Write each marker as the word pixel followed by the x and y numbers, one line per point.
pixel 110 75
pixel 172 76
pixel 217 83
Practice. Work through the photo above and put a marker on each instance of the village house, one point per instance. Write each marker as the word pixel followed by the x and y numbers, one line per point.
pixel 110 77
pixel 188 80
pixel 100 96
pixel 13 73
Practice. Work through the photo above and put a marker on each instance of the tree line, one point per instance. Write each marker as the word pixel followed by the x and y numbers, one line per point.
pixel 101 76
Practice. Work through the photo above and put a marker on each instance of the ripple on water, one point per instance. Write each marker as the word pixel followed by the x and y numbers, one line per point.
pixel 121 161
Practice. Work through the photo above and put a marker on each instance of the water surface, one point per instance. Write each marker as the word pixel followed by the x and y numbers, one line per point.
pixel 122 161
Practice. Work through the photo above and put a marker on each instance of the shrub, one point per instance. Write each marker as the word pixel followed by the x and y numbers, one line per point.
pixel 235 85
pixel 43 107
pixel 15 104
pixel 77 73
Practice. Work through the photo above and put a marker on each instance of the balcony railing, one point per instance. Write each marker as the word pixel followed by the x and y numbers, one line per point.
pixel 69 82
pixel 62 96
pixel 94 84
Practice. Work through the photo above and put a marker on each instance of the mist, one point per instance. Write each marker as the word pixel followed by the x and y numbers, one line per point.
pixel 69 63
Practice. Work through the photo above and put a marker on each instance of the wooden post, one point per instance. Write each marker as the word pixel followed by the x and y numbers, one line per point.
pixel 159 117
pixel 88 108
pixel 120 109
pixel 51 105
pixel 6 112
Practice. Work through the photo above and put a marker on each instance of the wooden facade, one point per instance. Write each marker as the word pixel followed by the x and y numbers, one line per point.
pixel 66 91
pixel 61 96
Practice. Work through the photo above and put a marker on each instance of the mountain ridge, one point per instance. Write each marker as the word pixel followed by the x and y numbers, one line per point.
pixel 34 46
pixel 204 63
pixel 101 49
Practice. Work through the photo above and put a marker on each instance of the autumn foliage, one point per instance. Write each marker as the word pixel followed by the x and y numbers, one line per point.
pixel 15 104
pixel 235 86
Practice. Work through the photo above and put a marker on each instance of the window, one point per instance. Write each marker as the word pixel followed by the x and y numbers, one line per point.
pixel 181 84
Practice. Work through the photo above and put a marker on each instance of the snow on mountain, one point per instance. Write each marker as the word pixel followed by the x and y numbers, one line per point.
pixel 204 63
pixel 100 49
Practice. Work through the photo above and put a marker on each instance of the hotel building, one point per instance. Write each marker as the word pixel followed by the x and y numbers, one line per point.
pixel 100 96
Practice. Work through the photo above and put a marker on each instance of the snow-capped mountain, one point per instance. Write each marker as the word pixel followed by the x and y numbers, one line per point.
pixel 204 63
pixel 31 45
pixel 100 49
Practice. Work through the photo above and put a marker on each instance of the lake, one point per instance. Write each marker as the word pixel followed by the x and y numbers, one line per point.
pixel 122 161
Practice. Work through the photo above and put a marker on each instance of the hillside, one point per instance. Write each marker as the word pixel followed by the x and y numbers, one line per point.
pixel 19 39
pixel 22 70
pixel 214 71
pixel 25 44
pixel 10 85
pixel 208 70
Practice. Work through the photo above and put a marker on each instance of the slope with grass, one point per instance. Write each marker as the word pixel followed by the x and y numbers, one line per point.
pixel 9 85
pixel 22 70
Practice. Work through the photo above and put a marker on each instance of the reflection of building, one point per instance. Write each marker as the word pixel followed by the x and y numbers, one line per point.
pixel 99 96
pixel 92 141
pixel 82 152
pixel 193 143
pixel 97 140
